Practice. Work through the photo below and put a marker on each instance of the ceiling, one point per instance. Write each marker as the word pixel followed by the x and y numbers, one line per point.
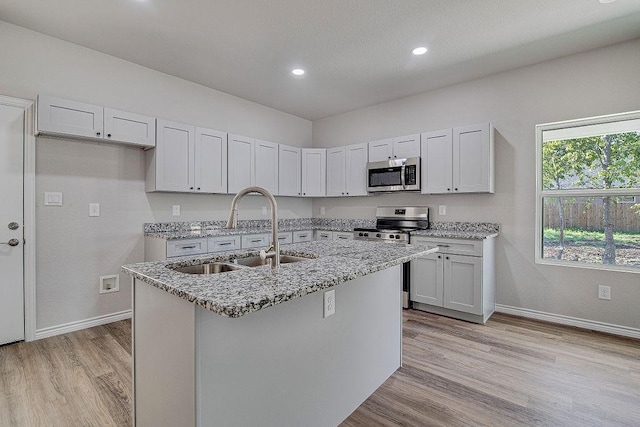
pixel 356 53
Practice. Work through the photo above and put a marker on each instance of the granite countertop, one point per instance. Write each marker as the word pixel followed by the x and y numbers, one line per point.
pixel 453 234
pixel 222 231
pixel 236 293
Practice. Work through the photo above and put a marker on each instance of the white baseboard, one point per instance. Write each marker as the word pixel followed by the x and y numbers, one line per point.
pixel 570 321
pixel 82 324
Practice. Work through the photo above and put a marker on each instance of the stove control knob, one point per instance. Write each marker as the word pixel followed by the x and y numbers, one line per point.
pixel 366 234
pixel 360 234
pixel 378 235
pixel 391 236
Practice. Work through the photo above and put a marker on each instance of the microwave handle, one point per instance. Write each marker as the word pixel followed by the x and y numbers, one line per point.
pixel 402 177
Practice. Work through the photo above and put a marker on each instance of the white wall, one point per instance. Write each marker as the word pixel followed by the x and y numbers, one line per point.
pixel 598 82
pixel 73 250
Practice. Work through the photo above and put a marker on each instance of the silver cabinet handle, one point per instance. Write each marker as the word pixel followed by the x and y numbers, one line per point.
pixel 12 242
pixel 256 241
pixel 225 244
pixel 188 247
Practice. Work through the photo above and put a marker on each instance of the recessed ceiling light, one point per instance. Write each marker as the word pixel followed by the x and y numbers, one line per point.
pixel 419 50
pixel 298 71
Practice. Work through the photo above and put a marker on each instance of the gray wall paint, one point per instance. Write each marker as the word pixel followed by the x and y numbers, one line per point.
pixel 598 82
pixel 73 250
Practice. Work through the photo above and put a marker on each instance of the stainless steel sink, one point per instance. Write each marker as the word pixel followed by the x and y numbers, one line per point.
pixel 255 261
pixel 212 268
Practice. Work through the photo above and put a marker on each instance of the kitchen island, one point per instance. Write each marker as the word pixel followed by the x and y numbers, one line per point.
pixel 252 346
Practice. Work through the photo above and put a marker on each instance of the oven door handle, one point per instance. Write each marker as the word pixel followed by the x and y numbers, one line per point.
pixel 402 178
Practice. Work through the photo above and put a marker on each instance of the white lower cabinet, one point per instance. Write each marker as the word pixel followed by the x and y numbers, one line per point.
pixel 223 243
pixel 342 235
pixel 250 241
pixel 185 247
pixel 284 237
pixel 323 235
pixel 457 281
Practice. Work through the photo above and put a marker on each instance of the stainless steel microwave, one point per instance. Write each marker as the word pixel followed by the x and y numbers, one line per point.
pixel 394 175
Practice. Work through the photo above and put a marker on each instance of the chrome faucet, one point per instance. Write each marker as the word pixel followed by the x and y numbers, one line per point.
pixel 273 253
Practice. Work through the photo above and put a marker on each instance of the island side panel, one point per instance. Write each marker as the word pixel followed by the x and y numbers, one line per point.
pixel 164 359
pixel 288 366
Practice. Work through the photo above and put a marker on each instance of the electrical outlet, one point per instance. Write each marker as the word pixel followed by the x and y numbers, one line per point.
pixel 109 284
pixel 176 210
pixel 329 303
pixel 604 292
pixel 94 209
pixel 322 210
pixel 264 210
pixel 442 210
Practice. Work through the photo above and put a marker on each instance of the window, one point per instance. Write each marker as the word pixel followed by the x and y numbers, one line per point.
pixel 588 192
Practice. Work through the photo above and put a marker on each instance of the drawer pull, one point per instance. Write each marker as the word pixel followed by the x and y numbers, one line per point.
pixel 443 246
pixel 342 237
pixel 225 244
pixel 256 241
pixel 302 235
pixel 282 238
pixel 188 247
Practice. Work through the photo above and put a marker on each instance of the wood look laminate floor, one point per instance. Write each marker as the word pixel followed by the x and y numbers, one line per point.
pixel 510 372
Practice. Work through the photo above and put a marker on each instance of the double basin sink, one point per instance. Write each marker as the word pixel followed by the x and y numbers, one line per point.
pixel 233 265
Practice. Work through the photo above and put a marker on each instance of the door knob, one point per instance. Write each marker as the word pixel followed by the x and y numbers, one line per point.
pixel 12 242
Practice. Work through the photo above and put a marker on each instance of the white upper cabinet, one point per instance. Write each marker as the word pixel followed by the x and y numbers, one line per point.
pixel 347 170
pixel 129 127
pixel 187 159
pixel 171 163
pixel 266 164
pixel 241 166
pixel 356 169
pixel 437 162
pixel 86 121
pixel 336 171
pixel 458 160
pixel 289 171
pixel 61 116
pixel 314 169
pixel 406 146
pixel 400 147
pixel 473 168
pixel 381 150
pixel 210 158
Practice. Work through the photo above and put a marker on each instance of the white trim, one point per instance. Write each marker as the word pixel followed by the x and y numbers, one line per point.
pixel 29 220
pixel 82 324
pixel 570 321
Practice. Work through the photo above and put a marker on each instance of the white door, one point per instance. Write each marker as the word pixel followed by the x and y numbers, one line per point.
pixel 314 172
pixel 289 173
pixel 437 162
pixel 266 164
pixel 210 161
pixel 380 150
pixel 472 159
pixel 11 225
pixel 241 167
pixel 406 146
pixel 129 127
pixel 335 172
pixel 174 156
pixel 356 170
pixel 463 283
pixel 426 280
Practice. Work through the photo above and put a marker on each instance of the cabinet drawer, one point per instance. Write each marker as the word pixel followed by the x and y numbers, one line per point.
pixel 255 240
pixel 452 246
pixel 186 247
pixel 323 235
pixel 342 235
pixel 284 237
pixel 302 236
pixel 223 243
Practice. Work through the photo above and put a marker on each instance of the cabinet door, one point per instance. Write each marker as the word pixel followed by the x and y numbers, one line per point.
pixel 174 156
pixel 380 150
pixel 336 171
pixel 406 146
pixel 289 171
pixel 186 247
pixel 302 236
pixel 437 162
pixel 241 167
pixel 342 235
pixel 284 237
pixel 356 170
pixel 223 243
pixel 72 118
pixel 323 235
pixel 255 240
pixel 426 280
pixel 463 283
pixel 266 164
pixel 314 170
pixel 131 128
pixel 210 161
pixel 473 159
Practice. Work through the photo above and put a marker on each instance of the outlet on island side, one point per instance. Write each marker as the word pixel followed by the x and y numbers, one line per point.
pixel 604 292
pixel 329 303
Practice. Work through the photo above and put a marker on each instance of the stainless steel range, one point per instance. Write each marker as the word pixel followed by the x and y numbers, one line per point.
pixel 393 224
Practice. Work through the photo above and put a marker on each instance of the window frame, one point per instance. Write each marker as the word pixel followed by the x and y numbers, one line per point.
pixel 541 193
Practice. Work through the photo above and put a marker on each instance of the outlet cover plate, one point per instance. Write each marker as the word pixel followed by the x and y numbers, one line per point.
pixel 604 292
pixel 94 209
pixel 176 210
pixel 329 303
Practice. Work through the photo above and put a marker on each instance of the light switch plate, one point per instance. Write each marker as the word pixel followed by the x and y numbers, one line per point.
pixel 94 209
pixel 52 199
pixel 176 210
pixel 442 210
